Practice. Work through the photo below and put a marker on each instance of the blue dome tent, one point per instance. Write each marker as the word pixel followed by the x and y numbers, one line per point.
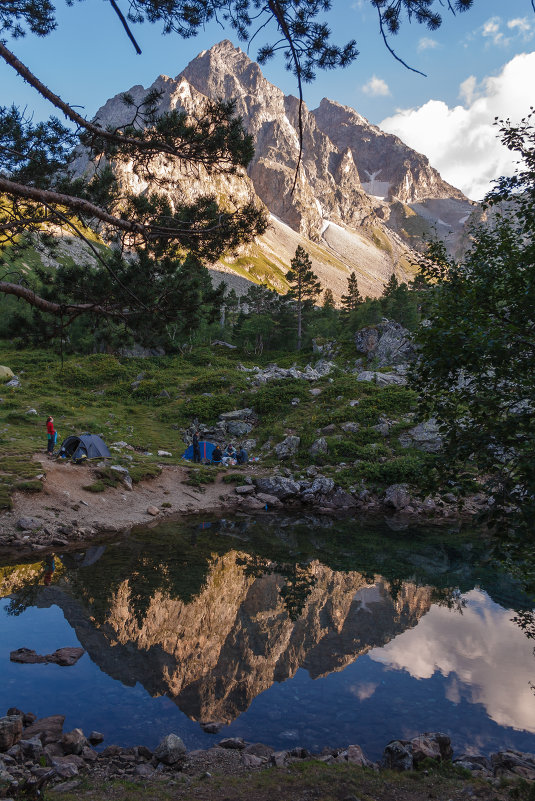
pixel 206 448
pixel 83 446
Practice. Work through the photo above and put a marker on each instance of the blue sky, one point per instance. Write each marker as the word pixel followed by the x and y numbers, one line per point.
pixel 89 59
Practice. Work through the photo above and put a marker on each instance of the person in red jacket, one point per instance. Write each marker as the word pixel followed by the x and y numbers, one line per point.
pixel 52 435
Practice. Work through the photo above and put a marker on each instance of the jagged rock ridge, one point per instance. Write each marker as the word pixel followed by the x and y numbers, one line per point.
pixel 362 196
pixel 214 654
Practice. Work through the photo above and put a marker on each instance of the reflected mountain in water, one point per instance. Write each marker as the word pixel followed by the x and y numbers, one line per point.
pixel 213 615
pixel 214 654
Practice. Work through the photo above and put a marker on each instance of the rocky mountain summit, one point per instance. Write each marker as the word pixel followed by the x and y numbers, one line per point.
pixel 363 198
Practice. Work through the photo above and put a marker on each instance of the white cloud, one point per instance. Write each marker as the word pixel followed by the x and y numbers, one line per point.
pixel 467 90
pixel 426 43
pixel 461 142
pixel 488 660
pixel 376 87
pixel 522 26
pixel 490 30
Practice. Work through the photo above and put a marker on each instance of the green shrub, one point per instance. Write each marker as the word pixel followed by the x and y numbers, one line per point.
pixel 351 449
pixel 206 409
pixel 138 472
pixel 343 384
pixel 200 476
pixel 409 469
pixel 96 486
pixel 217 381
pixel 272 395
pixel 29 486
pixel 233 478
pixel 5 497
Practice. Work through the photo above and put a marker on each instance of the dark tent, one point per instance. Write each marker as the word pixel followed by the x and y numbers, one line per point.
pixel 83 446
pixel 206 449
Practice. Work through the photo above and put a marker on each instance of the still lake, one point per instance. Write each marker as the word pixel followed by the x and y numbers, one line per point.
pixel 288 631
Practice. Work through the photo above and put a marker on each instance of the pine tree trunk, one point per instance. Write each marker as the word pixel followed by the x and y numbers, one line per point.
pixel 299 324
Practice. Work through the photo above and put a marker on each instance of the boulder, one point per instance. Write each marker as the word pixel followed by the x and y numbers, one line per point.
pixel 259 750
pixel 382 379
pixel 246 489
pixel 287 448
pixel 268 500
pixel 425 437
pixel 10 731
pixel 152 510
pixel 397 756
pixel 477 763
pixel 514 763
pixel 397 496
pixel 239 414
pixel 171 750
pixel 387 343
pixel 321 485
pixel 318 447
pixel 28 524
pixel 425 747
pixel 349 427
pixel 337 499
pixel 279 486
pixel 235 743
pixel 74 742
pixel 67 766
pixel 212 726
pixel 49 730
pixel 6 373
pixel 96 737
pixel 238 428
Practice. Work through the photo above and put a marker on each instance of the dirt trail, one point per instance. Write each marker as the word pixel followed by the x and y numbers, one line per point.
pixel 63 499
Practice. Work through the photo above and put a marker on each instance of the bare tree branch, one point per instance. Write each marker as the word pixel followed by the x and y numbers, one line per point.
pixel 125 26
pixel 57 309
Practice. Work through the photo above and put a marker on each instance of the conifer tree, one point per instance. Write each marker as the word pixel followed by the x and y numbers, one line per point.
pixel 353 297
pixel 304 286
pixel 391 287
pixel 328 299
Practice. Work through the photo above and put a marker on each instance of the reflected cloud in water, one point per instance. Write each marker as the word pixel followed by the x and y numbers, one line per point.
pixel 486 656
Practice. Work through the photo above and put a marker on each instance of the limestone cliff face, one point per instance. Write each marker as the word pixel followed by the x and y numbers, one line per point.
pixel 362 202
pixel 182 183
pixel 328 185
pixel 388 168
pixel 215 654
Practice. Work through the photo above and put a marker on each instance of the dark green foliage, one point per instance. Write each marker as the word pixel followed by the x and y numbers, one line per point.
pixel 412 469
pixel 349 448
pixel 353 299
pixel 29 486
pixel 328 299
pixel 206 409
pixel 271 396
pixel 304 287
pixel 400 304
pixel 142 471
pixel 233 478
pixel 476 373
pixel 391 287
pixel 200 476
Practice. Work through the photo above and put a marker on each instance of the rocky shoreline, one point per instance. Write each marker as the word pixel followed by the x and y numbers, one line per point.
pixel 37 753
pixel 64 516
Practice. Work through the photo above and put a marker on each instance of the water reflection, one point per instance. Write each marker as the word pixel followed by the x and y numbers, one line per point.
pixel 213 616
pixel 481 653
